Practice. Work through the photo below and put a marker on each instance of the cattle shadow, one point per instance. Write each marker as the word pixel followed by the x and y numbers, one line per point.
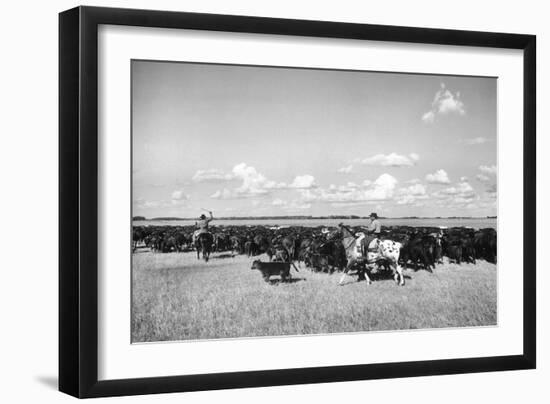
pixel 373 276
pixel 222 256
pixel 141 250
pixel 411 267
pixel 278 281
pixel 384 276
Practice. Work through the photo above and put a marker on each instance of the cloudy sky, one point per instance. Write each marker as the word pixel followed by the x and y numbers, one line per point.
pixel 255 141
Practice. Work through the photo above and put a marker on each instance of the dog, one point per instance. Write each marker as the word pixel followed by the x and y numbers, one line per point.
pixel 273 268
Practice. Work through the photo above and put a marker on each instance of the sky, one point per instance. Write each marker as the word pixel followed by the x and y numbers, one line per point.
pixel 258 141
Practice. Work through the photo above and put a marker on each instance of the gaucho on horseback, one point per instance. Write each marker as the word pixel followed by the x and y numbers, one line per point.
pixel 373 229
pixel 368 251
pixel 202 224
pixel 202 238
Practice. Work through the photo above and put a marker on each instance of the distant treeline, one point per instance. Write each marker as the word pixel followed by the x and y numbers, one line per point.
pixel 338 217
pixel 259 217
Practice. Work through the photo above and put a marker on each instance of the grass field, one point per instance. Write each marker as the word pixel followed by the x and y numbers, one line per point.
pixel 177 297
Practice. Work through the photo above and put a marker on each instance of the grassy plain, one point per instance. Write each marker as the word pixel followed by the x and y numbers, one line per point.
pixel 177 297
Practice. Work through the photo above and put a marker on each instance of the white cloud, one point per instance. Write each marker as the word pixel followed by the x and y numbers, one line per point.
pixel 488 177
pixel 459 195
pixel 462 188
pixel 475 140
pixel 380 190
pixel 428 117
pixel 256 184
pixel 413 181
pixel 482 178
pixel 348 187
pixel 391 160
pixel 303 182
pixel 439 177
pixel 346 169
pixel 253 184
pixel 366 183
pixel 212 175
pixel 385 181
pixel 444 103
pixel 416 190
pixel 222 194
pixel 178 195
pixel 411 194
pixel 489 170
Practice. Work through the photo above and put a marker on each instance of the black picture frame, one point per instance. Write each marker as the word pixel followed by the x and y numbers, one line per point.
pixel 78 201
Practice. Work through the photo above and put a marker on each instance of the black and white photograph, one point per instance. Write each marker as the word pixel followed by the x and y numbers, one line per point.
pixel 276 201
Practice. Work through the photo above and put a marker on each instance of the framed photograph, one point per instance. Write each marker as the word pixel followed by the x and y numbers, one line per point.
pixel 250 201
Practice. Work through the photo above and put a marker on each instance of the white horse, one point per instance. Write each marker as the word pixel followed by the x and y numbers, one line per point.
pixel 384 251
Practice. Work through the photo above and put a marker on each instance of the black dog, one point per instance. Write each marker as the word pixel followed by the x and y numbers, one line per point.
pixel 273 268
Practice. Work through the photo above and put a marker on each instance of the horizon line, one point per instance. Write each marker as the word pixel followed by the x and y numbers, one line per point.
pixel 143 218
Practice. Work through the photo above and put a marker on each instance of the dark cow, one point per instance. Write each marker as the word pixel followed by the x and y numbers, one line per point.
pixel 454 252
pixel 335 254
pixel 458 245
pixel 418 249
pixel 250 248
pixel 320 248
pixel 137 236
pixel 290 245
pixel 320 262
pixel 221 242
pixel 273 268
pixel 485 244
pixel 262 243
pixel 237 244
pixel 168 244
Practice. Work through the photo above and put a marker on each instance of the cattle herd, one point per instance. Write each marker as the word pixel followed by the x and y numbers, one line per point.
pixel 321 249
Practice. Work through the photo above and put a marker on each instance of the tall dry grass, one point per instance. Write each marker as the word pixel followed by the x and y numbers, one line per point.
pixel 176 297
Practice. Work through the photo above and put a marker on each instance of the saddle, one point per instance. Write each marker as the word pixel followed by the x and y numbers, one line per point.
pixel 197 233
pixel 365 244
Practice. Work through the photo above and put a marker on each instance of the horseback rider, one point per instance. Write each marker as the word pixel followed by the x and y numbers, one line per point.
pixel 373 229
pixel 202 225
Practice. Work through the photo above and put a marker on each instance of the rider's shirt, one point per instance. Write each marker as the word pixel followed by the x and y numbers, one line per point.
pixel 374 227
pixel 203 224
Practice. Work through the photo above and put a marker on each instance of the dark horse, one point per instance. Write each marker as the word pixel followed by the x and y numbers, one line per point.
pixel 203 243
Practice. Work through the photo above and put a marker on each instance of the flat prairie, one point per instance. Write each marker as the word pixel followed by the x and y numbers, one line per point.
pixel 177 297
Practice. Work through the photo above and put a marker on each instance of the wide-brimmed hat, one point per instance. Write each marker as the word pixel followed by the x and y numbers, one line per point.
pixel 373 214
pixel 203 216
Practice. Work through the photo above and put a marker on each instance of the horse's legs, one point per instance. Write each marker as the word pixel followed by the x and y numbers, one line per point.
pixel 346 270
pixel 398 274
pixel 366 275
pixel 343 275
